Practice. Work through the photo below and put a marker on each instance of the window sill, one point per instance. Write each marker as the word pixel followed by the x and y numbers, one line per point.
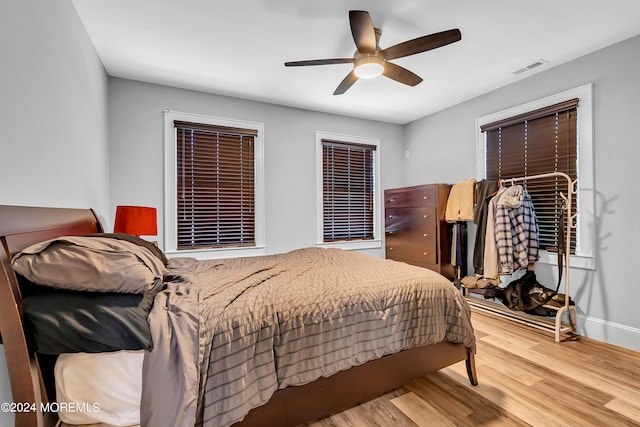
pixel 352 245
pixel 575 261
pixel 218 253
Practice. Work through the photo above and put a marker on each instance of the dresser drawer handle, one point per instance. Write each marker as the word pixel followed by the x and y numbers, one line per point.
pixel 390 249
pixel 425 234
pixel 390 216
pixel 425 253
pixel 426 216
pixel 425 197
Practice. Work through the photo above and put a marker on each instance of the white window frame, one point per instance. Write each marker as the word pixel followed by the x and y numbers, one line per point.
pixel 374 243
pixel 585 233
pixel 170 178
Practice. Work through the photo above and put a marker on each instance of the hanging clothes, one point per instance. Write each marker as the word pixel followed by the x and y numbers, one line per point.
pixel 459 247
pixel 491 266
pixel 460 201
pixel 485 191
pixel 459 210
pixel 516 230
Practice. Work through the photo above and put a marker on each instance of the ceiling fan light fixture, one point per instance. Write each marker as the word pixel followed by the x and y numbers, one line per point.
pixel 368 66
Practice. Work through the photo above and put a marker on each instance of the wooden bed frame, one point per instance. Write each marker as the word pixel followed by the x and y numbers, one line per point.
pixel 21 226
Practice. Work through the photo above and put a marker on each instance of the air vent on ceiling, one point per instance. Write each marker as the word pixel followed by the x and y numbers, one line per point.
pixel 531 66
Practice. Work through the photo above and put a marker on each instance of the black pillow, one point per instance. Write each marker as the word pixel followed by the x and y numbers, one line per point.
pixel 62 321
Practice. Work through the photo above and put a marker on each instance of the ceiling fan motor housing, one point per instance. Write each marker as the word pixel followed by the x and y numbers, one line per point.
pixel 368 65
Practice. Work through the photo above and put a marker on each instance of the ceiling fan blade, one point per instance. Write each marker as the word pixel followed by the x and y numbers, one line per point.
pixel 319 62
pixel 362 30
pixel 346 83
pixel 421 44
pixel 400 74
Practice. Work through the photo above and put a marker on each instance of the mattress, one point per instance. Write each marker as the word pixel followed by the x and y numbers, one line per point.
pixel 99 387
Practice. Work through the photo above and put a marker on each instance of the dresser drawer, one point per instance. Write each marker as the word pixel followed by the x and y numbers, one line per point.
pixel 394 198
pixel 405 218
pixel 424 196
pixel 397 219
pixel 411 197
pixel 423 216
pixel 427 235
pixel 413 253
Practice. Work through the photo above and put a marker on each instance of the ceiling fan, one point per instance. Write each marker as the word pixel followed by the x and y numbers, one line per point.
pixel 370 61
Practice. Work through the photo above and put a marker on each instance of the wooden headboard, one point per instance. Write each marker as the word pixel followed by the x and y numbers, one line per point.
pixel 21 226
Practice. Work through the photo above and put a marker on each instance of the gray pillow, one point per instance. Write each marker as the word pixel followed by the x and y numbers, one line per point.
pixel 93 264
pixel 137 240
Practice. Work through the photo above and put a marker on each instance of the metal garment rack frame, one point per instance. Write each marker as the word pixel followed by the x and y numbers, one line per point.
pixel 559 327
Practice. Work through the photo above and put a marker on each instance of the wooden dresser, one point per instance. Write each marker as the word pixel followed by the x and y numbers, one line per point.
pixel 415 229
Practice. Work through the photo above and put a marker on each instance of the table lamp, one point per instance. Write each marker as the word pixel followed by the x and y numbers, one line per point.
pixel 136 220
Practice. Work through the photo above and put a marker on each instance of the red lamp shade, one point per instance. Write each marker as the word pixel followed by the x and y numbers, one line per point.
pixel 136 220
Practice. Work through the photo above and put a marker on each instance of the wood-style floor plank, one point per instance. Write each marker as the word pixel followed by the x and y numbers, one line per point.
pixel 420 411
pixel 626 408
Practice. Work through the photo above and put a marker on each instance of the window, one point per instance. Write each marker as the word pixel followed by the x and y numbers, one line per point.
pixel 538 142
pixel 348 190
pixel 213 192
pixel 549 135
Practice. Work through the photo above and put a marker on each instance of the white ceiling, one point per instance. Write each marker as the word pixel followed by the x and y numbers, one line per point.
pixel 238 48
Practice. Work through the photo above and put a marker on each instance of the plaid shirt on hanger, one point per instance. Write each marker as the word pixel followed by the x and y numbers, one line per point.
pixel 516 236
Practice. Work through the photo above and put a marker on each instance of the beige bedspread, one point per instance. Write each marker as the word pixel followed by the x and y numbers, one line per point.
pixel 234 331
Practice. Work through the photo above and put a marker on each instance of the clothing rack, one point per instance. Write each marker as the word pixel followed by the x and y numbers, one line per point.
pixel 558 326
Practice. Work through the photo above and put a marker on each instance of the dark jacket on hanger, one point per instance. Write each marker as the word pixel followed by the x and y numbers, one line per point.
pixel 484 191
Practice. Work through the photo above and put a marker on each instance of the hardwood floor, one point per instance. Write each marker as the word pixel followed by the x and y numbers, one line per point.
pixel 526 379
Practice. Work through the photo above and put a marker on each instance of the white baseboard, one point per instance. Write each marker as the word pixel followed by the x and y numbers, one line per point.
pixel 609 332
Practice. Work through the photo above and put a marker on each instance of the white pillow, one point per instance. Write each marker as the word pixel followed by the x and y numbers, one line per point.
pixel 99 388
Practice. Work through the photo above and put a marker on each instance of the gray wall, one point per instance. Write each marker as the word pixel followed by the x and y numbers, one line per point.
pixel 136 153
pixel 53 114
pixel 442 148
pixel 53 108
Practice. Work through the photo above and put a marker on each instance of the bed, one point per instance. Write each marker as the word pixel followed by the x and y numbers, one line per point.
pixel 208 387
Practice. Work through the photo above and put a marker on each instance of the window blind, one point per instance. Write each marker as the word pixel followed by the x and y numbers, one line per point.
pixel 348 192
pixel 538 142
pixel 215 186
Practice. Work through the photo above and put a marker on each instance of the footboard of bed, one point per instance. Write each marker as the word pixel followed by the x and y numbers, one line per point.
pixel 325 396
